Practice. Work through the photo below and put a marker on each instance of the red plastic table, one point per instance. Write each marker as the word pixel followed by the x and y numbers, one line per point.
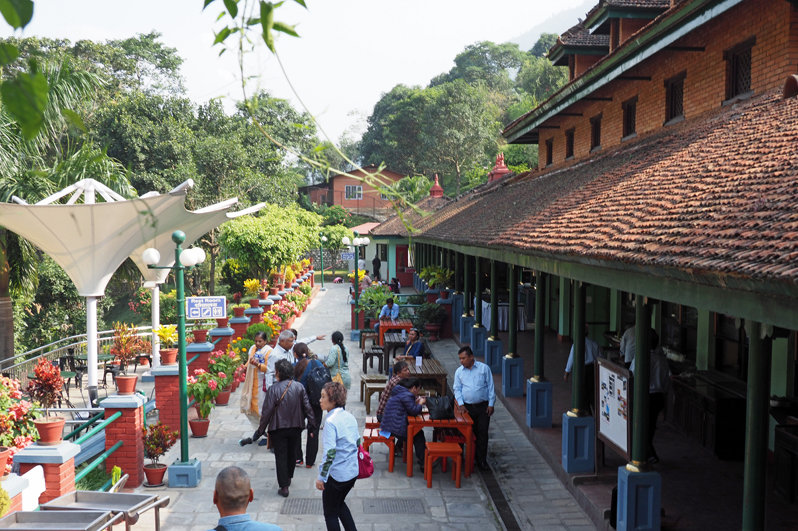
pixel 399 324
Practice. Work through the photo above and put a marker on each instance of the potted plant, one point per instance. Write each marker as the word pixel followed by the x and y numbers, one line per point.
pixel 432 316
pixel 158 439
pixel 251 289
pixel 204 387
pixel 16 422
pixel 46 390
pixel 222 364
pixel 125 348
pixel 238 309
pixel 440 279
pixel 167 335
pixel 5 502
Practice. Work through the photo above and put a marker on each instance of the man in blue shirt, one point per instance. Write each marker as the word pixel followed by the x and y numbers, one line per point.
pixel 232 495
pixel 389 312
pixel 474 392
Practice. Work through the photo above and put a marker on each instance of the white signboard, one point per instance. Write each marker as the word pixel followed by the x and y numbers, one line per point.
pixel 206 308
pixel 347 256
pixel 614 407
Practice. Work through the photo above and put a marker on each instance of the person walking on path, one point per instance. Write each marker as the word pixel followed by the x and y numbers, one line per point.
pixel 337 360
pixel 253 394
pixel 474 392
pixel 405 402
pixel 376 263
pixel 338 472
pixel 400 371
pixel 283 416
pixel 301 370
pixel 232 495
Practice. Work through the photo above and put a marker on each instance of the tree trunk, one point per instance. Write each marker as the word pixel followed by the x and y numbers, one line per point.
pixel 457 171
pixel 212 283
pixel 6 311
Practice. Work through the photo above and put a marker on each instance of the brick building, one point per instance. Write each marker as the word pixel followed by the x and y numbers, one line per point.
pixel 665 193
pixel 359 193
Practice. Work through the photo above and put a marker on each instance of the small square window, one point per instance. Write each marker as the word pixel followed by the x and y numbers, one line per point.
pixel 674 97
pixel 549 152
pixel 569 143
pixel 595 132
pixel 629 117
pixel 738 68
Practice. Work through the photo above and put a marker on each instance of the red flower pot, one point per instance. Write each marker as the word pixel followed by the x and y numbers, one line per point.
pixel 50 430
pixel 263 294
pixel 168 356
pixel 444 294
pixel 5 453
pixel 200 336
pixel 273 342
pixel 199 427
pixel 254 303
pixel 433 330
pixel 273 291
pixel 155 474
pixel 222 322
pixel 280 287
pixel 223 398
pixel 126 385
pixel 238 312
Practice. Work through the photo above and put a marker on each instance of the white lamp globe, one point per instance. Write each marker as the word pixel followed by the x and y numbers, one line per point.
pixel 188 258
pixel 151 256
pixel 199 252
pixel 366 241
pixel 324 238
pixel 345 240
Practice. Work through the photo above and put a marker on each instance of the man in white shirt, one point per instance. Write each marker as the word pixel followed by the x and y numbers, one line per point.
pixel 592 352
pixel 283 351
pixel 306 340
pixel 659 382
pixel 628 346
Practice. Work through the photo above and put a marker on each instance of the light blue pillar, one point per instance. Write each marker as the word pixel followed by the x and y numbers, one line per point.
pixel 466 324
pixel 639 495
pixel 578 444
pixel 479 335
pixel 512 376
pixel 457 312
pixel 538 404
pixel 494 352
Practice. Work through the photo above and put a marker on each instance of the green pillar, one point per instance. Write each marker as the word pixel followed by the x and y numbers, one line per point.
pixel 466 285
pixel 478 292
pixel 642 374
pixel 756 429
pixel 705 340
pixel 540 317
pixel 615 310
pixel 179 237
pixel 494 301
pixel 512 323
pixel 564 307
pixel 458 281
pixel 578 371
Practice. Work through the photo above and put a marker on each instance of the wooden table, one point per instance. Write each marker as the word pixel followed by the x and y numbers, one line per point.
pixel 430 370
pixel 461 422
pixel 393 341
pixel 399 324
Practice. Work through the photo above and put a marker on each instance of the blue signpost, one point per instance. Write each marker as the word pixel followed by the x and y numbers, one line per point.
pixel 206 308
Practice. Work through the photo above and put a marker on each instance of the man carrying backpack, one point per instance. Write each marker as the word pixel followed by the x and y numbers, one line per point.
pixel 312 374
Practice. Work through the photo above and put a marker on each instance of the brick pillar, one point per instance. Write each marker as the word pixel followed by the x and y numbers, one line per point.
pixel 255 315
pixel 446 328
pixel 127 428
pixel 432 295
pixel 239 326
pixel 224 334
pixel 204 350
pixel 14 485
pixel 313 278
pixel 58 463
pixel 167 395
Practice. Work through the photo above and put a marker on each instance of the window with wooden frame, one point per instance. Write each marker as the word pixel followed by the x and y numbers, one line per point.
pixel 353 192
pixel 629 117
pixel 738 68
pixel 569 143
pixel 549 152
pixel 595 133
pixel 674 97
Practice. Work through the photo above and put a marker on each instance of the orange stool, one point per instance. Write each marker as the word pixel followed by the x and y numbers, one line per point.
pixel 372 422
pixel 443 450
pixel 371 436
pixel 454 435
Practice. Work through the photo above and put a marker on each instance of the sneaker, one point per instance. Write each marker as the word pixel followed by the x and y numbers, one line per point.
pixel 263 442
pixel 299 462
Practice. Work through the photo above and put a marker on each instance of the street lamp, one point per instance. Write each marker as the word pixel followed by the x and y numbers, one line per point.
pixel 322 239
pixel 355 242
pixel 184 259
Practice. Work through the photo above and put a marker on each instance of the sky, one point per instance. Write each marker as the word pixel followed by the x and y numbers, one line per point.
pixel 350 51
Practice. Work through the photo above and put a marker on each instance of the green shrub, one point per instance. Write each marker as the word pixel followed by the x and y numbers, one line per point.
pixel 429 312
pixel 254 329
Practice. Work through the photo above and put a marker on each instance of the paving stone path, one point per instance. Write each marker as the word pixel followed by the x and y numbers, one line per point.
pixel 537 498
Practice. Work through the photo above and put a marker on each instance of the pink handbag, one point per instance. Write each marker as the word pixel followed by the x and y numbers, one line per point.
pixel 365 465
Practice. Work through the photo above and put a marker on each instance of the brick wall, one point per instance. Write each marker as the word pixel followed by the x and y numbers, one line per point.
pixel 167 400
pixel 583 62
pixel 130 456
pixel 774 57
pixel 630 26
pixel 371 196
pixel 59 479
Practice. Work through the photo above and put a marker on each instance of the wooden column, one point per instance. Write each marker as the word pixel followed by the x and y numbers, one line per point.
pixel 640 420
pixel 540 319
pixel 478 292
pixel 494 300
pixel 466 286
pixel 578 370
pixel 513 314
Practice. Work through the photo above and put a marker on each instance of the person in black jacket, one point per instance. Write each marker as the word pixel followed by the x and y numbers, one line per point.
pixel 376 264
pixel 284 412
pixel 405 401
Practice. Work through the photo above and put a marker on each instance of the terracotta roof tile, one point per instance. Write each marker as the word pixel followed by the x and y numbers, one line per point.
pixel 396 224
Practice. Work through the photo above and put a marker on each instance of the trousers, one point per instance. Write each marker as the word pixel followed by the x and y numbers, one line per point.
pixel 419 445
pixel 312 445
pixel 479 414
pixel 333 499
pixel 284 442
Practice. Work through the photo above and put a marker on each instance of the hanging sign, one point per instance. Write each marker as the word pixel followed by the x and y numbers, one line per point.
pixel 206 308
pixel 347 256
pixel 614 411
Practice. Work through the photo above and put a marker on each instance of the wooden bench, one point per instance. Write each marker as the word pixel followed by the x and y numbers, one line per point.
pixel 372 388
pixel 371 353
pixel 443 451
pixel 370 378
pixel 366 334
pixel 371 436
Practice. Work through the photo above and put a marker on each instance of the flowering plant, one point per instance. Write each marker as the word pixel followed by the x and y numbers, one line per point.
pixel 237 297
pixel 158 438
pixel 285 310
pixel 240 374
pixel 264 285
pixel 223 363
pixel 127 345
pixel 305 289
pixel 305 263
pixel 167 335
pixel 204 387
pixel 360 274
pixel 46 387
pixel 252 287
pixel 273 321
pixel 16 418
pixel 289 276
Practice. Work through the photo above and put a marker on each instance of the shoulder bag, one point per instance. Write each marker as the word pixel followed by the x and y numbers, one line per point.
pixel 365 465
pixel 440 407
pixel 337 378
pixel 274 411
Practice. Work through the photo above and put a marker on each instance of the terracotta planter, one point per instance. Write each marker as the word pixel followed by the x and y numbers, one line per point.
pixel 263 294
pixel 126 385
pixel 222 322
pixel 50 430
pixel 273 291
pixel 254 303
pixel 155 474
pixel 199 427
pixel 444 294
pixel 433 330
pixel 238 312
pixel 168 356
pixel 200 336
pixel 5 453
pixel 223 398
pixel 280 286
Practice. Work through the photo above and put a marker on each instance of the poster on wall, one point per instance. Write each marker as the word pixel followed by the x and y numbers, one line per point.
pixel 614 401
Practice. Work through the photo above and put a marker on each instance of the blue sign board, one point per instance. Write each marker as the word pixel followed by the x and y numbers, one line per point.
pixel 347 256
pixel 206 308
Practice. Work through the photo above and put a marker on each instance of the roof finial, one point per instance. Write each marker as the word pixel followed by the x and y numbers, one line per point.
pixel 436 190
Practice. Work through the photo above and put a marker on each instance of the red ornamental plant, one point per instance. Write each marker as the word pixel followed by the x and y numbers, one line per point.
pixel 127 345
pixel 16 419
pixel 204 387
pixel 158 439
pixel 46 388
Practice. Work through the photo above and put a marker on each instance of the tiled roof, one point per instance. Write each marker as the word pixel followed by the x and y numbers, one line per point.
pixel 395 225
pixel 629 4
pixel 579 36
pixel 715 195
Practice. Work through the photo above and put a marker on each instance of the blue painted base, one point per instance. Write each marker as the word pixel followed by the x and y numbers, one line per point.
pixel 512 376
pixel 457 310
pixel 578 440
pixel 147 377
pixel 479 335
pixel 185 475
pixel 465 325
pixel 494 353
pixel 354 335
pixel 538 404
pixel 639 500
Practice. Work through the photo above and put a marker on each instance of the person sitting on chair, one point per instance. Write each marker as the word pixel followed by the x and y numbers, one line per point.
pixel 389 312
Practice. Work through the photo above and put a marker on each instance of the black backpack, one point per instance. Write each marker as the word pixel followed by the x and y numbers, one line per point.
pixel 318 375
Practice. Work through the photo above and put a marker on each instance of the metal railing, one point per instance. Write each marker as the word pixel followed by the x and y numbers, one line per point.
pixel 100 459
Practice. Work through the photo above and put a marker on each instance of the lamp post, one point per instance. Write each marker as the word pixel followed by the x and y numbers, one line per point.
pixel 322 239
pixel 184 259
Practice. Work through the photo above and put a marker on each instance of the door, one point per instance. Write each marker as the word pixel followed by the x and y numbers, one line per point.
pixel 401 266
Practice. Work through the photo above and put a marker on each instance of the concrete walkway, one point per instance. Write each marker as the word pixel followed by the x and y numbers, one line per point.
pixel 536 496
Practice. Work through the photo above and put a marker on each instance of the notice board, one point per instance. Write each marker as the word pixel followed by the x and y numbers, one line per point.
pixel 614 391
